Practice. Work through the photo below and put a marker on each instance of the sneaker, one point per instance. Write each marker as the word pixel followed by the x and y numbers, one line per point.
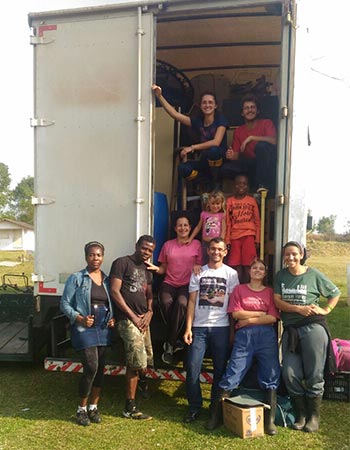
pixel 143 388
pixel 167 356
pixel 134 413
pixel 94 416
pixel 82 418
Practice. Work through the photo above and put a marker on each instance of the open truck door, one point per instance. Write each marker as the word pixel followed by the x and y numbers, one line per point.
pixel 92 136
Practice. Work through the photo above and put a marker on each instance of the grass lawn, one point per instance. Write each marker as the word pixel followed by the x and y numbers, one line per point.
pixel 39 414
pixel 37 408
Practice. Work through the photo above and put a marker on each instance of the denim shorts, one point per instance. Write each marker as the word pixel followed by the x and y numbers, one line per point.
pixel 97 335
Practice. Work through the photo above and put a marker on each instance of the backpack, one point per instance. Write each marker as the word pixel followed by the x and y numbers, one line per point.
pixel 285 416
pixel 341 349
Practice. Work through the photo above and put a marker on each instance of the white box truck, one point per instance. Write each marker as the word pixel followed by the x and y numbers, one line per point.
pixel 102 148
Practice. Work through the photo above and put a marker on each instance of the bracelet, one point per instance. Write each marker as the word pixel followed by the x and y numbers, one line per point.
pixel 330 307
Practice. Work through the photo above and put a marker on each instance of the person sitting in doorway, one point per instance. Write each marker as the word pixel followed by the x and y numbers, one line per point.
pixel 253 148
pixel 211 127
pixel 178 258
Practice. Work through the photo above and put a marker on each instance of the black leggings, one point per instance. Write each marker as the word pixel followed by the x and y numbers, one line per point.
pixel 93 360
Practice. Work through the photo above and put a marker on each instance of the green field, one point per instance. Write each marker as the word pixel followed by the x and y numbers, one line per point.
pixel 37 407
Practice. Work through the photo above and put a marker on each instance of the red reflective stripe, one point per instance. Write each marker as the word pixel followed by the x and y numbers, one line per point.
pixel 44 28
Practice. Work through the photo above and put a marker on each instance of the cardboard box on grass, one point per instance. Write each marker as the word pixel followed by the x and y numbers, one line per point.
pixel 244 416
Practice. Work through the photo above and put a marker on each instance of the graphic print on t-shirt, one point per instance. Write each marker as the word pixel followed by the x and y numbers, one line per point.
pixel 138 281
pixel 295 295
pixel 212 226
pixel 212 291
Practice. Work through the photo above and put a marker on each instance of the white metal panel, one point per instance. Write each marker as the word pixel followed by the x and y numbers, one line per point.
pixel 296 210
pixel 86 83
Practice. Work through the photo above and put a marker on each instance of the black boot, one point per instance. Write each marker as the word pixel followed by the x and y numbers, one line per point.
pixel 215 418
pixel 270 414
pixel 299 406
pixel 313 405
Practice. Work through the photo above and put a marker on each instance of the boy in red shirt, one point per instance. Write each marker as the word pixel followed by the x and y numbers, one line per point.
pixel 242 228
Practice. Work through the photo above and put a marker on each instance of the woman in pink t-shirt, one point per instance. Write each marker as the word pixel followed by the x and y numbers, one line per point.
pixel 252 307
pixel 177 260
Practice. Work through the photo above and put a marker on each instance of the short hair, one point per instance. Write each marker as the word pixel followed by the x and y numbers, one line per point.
pixel 241 174
pixel 217 240
pixel 93 244
pixel 250 97
pixel 147 238
pixel 301 248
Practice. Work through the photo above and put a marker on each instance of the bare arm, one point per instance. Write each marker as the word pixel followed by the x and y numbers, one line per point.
pixel 238 315
pixel 160 270
pixel 263 320
pixel 303 310
pixel 223 228
pixel 147 317
pixel 185 120
pixel 216 142
pixel 331 304
pixel 189 317
pixel 195 231
pixel 269 139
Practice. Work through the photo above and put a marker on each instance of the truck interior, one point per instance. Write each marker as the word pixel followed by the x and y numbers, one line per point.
pixel 230 52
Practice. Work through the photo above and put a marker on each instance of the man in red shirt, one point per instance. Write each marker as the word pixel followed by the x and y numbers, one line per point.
pixel 253 148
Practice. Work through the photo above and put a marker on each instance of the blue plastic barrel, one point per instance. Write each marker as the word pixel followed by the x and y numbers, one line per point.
pixel 160 222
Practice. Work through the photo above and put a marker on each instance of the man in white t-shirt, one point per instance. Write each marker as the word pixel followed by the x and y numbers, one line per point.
pixel 208 324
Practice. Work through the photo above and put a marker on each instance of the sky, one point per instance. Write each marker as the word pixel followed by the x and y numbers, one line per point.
pixel 327 180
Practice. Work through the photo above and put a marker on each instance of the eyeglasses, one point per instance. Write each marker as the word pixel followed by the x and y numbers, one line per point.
pixel 220 250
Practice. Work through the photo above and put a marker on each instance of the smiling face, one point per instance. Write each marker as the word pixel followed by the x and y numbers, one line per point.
pixel 94 258
pixel 292 257
pixel 249 111
pixel 182 228
pixel 215 205
pixel 241 186
pixel 257 271
pixel 144 250
pixel 208 104
pixel 217 251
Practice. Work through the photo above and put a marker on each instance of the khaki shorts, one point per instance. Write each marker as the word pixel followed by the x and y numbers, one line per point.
pixel 137 345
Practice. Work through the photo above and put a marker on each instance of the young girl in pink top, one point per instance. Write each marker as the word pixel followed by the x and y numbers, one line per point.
pixel 212 222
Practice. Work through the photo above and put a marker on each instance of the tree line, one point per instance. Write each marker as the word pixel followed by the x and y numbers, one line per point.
pixel 16 203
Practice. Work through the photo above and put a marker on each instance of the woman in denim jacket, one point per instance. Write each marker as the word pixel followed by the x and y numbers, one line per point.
pixel 87 304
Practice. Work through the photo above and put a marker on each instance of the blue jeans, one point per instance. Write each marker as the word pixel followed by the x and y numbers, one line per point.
pixel 259 341
pixel 217 340
pixel 303 372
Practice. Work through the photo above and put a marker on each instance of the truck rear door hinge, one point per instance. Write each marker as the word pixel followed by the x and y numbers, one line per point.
pixel 35 122
pixel 35 40
pixel 284 112
pixel 42 201
pixel 37 278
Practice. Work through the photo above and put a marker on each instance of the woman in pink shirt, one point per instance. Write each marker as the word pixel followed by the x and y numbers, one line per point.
pixel 252 307
pixel 177 260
